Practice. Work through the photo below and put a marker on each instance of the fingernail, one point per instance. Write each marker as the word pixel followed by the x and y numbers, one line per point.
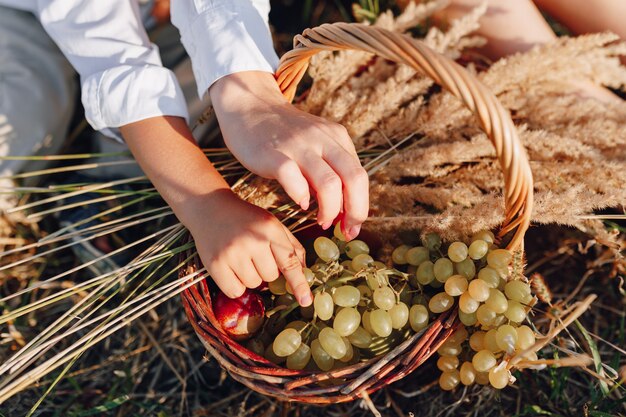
pixel 326 225
pixel 304 203
pixel 354 231
pixel 306 300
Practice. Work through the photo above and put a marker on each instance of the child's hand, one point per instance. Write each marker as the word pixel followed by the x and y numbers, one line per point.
pixel 239 243
pixel 242 245
pixel 274 139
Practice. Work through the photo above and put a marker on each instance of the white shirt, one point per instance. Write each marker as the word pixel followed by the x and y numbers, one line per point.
pixel 122 78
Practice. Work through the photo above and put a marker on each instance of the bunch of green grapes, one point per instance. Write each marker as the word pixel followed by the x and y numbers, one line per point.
pixel 492 308
pixel 362 308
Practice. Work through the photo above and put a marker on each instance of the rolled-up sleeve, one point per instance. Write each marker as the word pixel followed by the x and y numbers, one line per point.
pixel 223 37
pixel 122 77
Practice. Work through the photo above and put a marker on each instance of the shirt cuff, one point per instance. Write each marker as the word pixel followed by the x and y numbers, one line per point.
pixel 130 93
pixel 228 38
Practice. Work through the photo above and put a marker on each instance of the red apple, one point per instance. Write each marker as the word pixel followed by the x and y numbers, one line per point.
pixel 240 317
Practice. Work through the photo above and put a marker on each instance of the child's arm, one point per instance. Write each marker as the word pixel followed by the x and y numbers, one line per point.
pixel 240 244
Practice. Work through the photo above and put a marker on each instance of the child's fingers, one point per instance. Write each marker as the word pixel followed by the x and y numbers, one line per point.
pixel 246 272
pixel 297 246
pixel 290 266
pixel 327 185
pixel 265 264
pixel 355 189
pixel 290 177
pixel 226 279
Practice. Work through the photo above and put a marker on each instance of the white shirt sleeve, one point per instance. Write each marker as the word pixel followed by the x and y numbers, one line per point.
pixel 122 78
pixel 224 36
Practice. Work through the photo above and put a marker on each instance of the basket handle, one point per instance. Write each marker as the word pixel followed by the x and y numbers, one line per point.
pixel 493 118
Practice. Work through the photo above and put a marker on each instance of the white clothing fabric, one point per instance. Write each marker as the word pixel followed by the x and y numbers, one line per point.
pixel 122 77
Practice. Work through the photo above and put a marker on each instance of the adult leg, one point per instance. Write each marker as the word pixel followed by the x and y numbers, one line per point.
pixel 37 95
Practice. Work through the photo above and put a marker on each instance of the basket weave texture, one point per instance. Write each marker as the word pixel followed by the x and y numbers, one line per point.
pixel 354 381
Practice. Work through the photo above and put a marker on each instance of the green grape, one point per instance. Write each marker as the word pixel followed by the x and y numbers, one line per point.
pixel 485 316
pixel 365 294
pixel 274 324
pixel 399 315
pixel 271 356
pixel 477 341
pixel 515 312
pixel 449 349
pixel 497 301
pixel 356 247
pixel 459 336
pixel 499 378
pixel 338 233
pixel 346 296
pixel 525 338
pixel 467 304
pixel 380 321
pixel 376 280
pixel 332 343
pixel 483 361
pixel 499 258
pixel 278 286
pixel 380 265
pixel 490 341
pixel 420 298
pixel 347 265
pixel 285 300
pixel 321 358
pixel 366 322
pixel 346 321
pixel 361 261
pixel 443 269
pixel 418 317
pixel 467 373
pixel 478 249
pixel 256 345
pixel 300 358
pixel 449 380
pixel 482 378
pixel 490 276
pixel 485 235
pixel 297 325
pixel 457 251
pixel 406 294
pixel 309 276
pixel 287 342
pixel 384 298
pixel 326 249
pixel 323 304
pixel 479 290
pixel 455 285
pixel 468 319
pixel 440 302
pixel 466 268
pixel 447 363
pixel 349 351
pixel 398 256
pixel 361 338
pixel 415 256
pixel 518 291
pixel 506 338
pixel 425 273
pixel 432 241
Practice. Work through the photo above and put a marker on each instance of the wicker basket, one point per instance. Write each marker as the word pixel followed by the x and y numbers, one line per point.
pixel 366 377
